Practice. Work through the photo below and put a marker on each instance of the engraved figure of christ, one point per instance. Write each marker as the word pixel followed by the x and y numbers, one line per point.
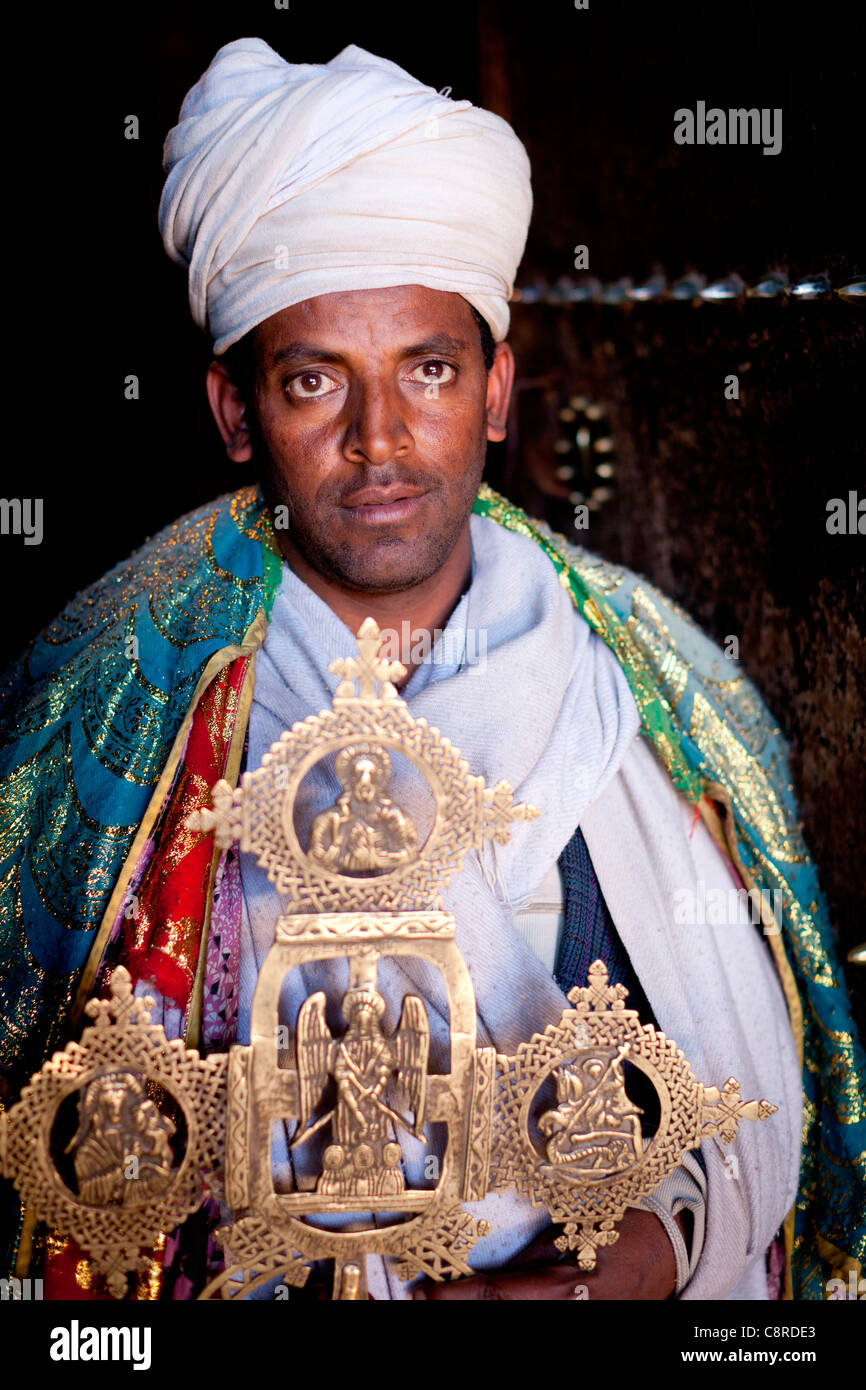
pixel 364 831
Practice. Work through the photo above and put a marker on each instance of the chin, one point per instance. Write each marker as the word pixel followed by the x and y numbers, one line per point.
pixel 383 578
pixel 387 566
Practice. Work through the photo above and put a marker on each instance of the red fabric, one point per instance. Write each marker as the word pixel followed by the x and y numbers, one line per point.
pixel 59 1281
pixel 162 931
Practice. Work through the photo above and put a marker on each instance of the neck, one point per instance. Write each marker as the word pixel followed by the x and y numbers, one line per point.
pixel 425 607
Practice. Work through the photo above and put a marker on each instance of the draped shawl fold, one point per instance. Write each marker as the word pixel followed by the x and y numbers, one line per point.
pixel 89 741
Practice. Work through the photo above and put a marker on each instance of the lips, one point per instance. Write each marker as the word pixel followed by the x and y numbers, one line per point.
pixel 381 496
pixel 374 506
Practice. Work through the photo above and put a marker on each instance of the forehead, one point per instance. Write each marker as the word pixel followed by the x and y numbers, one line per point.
pixel 398 317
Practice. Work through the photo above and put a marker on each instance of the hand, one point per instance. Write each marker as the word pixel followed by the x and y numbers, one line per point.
pixel 640 1266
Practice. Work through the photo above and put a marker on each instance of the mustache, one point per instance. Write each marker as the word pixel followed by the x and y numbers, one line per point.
pixel 380 477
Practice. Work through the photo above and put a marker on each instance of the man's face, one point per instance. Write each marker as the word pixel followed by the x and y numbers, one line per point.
pixel 371 423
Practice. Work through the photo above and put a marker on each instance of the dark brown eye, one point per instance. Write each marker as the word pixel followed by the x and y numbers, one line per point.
pixel 434 370
pixel 310 384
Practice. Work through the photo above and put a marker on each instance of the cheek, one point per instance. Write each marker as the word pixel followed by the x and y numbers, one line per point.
pixel 453 436
pixel 303 455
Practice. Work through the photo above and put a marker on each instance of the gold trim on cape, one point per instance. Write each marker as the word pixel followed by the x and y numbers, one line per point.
pixel 252 640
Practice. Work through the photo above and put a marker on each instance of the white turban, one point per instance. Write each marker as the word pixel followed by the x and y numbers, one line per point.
pixel 289 180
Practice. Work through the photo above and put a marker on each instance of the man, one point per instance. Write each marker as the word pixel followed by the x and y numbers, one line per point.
pixel 352 239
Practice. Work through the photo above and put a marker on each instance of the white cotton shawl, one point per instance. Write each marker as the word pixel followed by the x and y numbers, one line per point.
pixel 550 711
pixel 291 180
pixel 715 990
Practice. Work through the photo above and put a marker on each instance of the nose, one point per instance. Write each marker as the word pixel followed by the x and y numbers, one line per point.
pixel 377 431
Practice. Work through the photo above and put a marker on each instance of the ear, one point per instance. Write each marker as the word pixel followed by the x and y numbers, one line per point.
pixel 500 380
pixel 230 412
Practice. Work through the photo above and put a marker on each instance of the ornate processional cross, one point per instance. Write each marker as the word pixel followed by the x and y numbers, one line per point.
pixel 121 1136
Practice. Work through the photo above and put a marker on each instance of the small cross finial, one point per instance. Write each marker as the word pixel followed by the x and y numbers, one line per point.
pixel 367 668
pixel 224 820
pixel 123 1006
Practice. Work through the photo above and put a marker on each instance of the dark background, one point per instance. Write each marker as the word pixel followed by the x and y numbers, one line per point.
pixel 721 503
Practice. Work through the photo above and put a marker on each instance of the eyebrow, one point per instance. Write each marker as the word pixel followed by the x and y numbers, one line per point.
pixel 299 351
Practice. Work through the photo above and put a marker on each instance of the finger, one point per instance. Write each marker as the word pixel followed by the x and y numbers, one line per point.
pixel 552 1282
pixel 540 1251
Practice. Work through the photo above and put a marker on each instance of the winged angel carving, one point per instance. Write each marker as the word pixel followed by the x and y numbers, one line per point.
pixel 363 1160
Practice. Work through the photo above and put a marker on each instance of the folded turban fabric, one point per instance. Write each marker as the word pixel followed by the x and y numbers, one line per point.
pixel 289 180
